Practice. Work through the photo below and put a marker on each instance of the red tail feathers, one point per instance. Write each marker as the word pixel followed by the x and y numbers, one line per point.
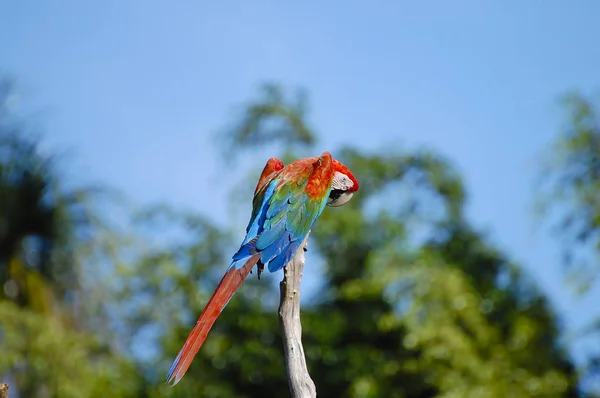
pixel 230 282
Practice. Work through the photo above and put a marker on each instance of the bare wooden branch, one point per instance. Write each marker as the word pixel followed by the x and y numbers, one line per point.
pixel 301 385
pixel 3 390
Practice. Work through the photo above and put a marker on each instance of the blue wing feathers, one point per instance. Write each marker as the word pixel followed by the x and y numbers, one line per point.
pixel 281 260
pixel 277 203
pixel 256 225
pixel 279 226
pixel 246 251
pixel 270 235
pixel 277 218
pixel 276 248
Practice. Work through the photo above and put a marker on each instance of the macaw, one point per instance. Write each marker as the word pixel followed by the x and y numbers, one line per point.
pixel 287 202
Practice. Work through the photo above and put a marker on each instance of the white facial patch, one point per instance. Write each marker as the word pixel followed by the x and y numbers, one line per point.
pixel 341 182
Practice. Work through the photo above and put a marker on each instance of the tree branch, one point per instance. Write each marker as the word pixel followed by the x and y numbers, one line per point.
pixel 3 390
pixel 301 385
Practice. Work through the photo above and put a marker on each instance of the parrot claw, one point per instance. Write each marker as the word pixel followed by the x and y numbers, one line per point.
pixel 259 269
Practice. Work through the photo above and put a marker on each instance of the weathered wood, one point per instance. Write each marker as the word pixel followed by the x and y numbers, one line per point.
pixel 301 385
pixel 3 390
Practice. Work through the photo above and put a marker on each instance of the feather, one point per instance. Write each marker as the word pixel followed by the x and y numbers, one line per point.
pixel 230 282
pixel 287 202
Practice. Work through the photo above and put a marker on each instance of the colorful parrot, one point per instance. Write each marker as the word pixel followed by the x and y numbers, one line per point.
pixel 287 202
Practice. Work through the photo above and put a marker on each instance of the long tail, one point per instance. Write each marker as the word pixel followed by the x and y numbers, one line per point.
pixel 230 282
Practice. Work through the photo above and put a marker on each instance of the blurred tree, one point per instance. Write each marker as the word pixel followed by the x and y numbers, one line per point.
pixel 47 359
pixel 46 234
pixel 163 289
pixel 415 302
pixel 273 116
pixel 570 198
pixel 570 185
pixel 41 223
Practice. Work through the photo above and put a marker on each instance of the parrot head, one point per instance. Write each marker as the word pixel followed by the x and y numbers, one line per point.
pixel 343 187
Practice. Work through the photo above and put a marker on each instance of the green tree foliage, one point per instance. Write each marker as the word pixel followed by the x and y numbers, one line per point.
pixel 571 183
pixel 442 300
pixel 414 302
pixel 570 198
pixel 47 234
pixel 43 225
pixel 272 117
pixel 48 359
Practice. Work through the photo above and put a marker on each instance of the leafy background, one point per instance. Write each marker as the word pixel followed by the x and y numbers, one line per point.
pixel 408 294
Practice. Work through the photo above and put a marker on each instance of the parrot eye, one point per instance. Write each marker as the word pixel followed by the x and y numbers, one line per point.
pixel 338 197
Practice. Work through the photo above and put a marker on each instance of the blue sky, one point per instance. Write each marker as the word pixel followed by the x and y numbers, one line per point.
pixel 138 89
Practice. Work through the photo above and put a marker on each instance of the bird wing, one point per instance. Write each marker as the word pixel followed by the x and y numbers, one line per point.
pixel 285 209
pixel 286 204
